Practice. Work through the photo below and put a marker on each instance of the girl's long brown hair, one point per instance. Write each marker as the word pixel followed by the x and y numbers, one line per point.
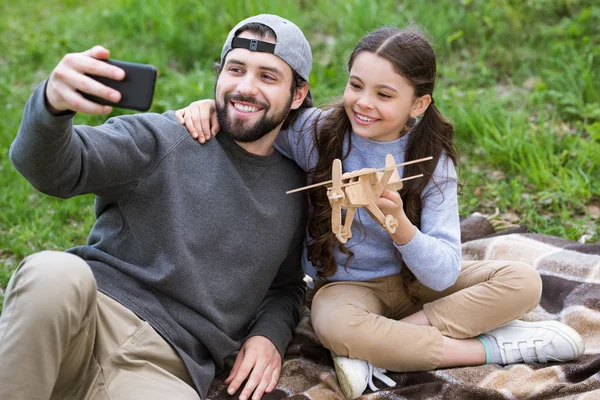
pixel 413 58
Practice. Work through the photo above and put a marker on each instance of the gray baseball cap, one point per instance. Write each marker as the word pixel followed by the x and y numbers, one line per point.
pixel 292 47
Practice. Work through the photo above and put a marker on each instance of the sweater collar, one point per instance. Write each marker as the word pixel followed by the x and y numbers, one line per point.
pixel 240 152
pixel 380 148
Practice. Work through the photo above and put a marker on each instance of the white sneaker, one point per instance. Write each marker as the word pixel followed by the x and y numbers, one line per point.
pixel 541 342
pixel 355 375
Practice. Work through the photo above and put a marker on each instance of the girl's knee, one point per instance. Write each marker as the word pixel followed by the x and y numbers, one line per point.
pixel 529 284
pixel 338 326
pixel 533 281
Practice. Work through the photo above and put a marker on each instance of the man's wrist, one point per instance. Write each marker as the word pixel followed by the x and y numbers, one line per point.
pixel 54 111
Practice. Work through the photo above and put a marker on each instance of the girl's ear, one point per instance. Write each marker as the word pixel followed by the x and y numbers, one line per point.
pixel 420 105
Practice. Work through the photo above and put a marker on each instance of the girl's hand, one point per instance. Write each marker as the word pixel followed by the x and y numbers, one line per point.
pixel 390 203
pixel 200 119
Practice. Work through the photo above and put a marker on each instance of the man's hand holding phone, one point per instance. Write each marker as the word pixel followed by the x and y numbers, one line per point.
pixel 88 82
pixel 68 80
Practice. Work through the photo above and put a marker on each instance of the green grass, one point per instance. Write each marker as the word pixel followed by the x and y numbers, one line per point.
pixel 519 79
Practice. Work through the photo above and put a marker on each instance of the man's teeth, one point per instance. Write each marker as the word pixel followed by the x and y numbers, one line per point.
pixel 245 108
pixel 363 118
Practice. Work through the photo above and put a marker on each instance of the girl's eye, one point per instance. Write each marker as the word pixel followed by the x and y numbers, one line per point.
pixel 354 85
pixel 384 95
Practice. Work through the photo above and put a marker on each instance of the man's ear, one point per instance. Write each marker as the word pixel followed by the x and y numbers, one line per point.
pixel 420 105
pixel 299 96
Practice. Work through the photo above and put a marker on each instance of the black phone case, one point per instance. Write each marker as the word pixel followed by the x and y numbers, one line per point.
pixel 137 88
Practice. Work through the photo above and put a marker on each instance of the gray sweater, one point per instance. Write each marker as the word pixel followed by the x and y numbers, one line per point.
pixel 200 241
pixel 434 253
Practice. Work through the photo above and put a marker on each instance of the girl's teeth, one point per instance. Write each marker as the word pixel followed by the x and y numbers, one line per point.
pixel 244 108
pixel 363 118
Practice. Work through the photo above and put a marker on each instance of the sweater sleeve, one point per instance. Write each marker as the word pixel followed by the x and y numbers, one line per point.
pixel 434 253
pixel 64 160
pixel 297 142
pixel 279 312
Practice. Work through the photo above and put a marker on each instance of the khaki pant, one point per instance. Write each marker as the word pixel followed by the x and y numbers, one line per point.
pixel 62 339
pixel 360 319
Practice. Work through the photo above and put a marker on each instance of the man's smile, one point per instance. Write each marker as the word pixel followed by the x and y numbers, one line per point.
pixel 245 107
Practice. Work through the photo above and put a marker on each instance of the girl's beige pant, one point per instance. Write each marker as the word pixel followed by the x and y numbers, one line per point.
pixel 361 319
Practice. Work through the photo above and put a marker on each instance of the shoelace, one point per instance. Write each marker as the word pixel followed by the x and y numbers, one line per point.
pixel 379 373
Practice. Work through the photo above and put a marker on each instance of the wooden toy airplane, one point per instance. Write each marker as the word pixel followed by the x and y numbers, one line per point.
pixel 361 188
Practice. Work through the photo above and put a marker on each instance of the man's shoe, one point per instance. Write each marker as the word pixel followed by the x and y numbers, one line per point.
pixel 537 342
pixel 355 375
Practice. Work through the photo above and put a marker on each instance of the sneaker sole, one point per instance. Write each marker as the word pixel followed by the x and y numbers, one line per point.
pixel 570 334
pixel 343 381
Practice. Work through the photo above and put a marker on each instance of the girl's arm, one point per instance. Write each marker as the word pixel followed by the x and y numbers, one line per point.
pixel 433 252
pixel 295 142
pixel 200 119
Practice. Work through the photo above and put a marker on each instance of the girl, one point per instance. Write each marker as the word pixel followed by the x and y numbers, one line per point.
pixel 403 301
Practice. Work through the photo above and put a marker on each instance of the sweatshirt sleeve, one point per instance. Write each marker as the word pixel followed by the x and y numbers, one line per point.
pixel 434 253
pixel 279 312
pixel 64 160
pixel 297 142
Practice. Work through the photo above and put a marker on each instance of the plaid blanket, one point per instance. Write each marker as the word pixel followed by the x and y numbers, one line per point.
pixel 570 273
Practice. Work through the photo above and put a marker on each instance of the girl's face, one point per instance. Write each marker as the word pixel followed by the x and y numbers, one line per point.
pixel 379 101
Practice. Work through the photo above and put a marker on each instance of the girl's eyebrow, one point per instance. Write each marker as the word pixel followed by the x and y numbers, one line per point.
pixel 382 86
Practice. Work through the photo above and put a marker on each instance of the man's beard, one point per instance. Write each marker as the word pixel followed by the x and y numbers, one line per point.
pixel 238 130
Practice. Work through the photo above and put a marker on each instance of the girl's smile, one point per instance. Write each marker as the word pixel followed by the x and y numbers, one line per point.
pixel 362 119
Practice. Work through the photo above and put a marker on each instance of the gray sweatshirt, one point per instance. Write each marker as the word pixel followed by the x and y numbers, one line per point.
pixel 200 241
pixel 434 253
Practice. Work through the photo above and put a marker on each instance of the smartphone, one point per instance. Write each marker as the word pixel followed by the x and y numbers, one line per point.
pixel 137 88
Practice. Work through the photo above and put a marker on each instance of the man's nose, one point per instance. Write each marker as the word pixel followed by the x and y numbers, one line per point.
pixel 248 86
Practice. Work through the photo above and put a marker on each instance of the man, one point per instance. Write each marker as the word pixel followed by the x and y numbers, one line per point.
pixel 195 253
